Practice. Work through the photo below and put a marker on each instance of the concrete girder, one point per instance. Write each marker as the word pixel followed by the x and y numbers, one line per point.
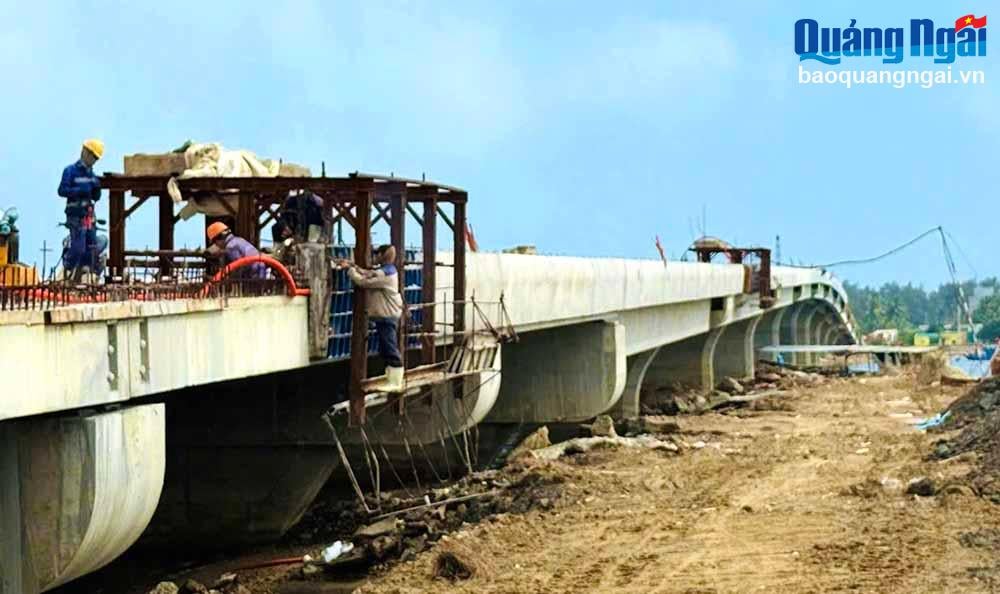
pixel 566 374
pixel 110 352
pixel 79 491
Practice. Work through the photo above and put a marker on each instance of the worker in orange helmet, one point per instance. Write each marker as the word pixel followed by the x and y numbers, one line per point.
pixel 233 248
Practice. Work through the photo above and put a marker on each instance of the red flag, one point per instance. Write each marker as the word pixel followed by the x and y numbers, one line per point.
pixel 470 238
pixel 659 248
pixel 969 20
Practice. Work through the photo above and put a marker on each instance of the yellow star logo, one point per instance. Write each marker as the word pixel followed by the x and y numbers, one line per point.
pixel 968 20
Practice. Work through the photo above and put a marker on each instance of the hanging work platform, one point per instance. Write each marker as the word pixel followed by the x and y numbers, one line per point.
pixel 435 338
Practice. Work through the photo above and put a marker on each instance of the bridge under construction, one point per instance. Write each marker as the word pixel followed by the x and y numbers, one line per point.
pixel 179 399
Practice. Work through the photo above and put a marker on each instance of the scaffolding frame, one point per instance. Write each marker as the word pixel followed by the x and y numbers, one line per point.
pixel 353 200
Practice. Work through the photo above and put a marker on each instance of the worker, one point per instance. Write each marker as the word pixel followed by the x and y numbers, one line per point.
pixel 385 307
pixel 301 212
pixel 81 189
pixel 232 248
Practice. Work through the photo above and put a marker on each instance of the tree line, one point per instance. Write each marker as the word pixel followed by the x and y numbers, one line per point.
pixel 909 308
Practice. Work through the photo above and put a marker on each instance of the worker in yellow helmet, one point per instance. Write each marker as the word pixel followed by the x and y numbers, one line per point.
pixel 81 189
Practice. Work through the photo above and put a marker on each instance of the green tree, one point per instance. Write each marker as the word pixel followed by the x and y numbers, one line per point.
pixel 988 310
pixel 990 331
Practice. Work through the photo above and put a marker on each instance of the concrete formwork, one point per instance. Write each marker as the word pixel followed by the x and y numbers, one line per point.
pixel 85 489
pixel 562 375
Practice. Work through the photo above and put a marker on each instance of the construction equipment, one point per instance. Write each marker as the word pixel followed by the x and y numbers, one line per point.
pixel 755 279
pixel 12 274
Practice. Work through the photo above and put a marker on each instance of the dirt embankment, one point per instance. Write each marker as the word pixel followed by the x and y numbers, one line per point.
pixel 815 492
pixel 825 487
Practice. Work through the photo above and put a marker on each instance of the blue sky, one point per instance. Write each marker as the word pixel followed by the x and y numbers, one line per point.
pixel 584 128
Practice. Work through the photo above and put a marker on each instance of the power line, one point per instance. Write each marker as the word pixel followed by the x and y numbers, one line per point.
pixel 961 252
pixel 895 250
pixel 948 259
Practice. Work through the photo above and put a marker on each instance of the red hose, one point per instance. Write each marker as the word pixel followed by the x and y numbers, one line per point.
pixel 276 266
pixel 42 294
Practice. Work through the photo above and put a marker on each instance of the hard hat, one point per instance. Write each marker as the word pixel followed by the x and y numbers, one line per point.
pixel 215 229
pixel 95 146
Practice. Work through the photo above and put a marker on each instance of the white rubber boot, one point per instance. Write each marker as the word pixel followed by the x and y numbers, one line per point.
pixel 396 380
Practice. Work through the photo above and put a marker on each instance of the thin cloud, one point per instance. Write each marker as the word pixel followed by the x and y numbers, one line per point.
pixel 637 62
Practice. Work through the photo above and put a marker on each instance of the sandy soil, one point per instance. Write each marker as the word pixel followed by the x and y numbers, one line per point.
pixel 784 498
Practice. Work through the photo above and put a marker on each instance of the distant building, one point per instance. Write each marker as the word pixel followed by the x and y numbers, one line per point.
pixel 883 336
pixel 954 338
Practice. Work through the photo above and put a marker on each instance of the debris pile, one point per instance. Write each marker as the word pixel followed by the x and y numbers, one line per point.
pixel 455 561
pixel 769 380
pixel 408 526
pixel 228 583
pixel 977 415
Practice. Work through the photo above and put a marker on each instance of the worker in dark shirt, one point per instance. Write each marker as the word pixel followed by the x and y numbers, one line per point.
pixel 81 189
pixel 300 211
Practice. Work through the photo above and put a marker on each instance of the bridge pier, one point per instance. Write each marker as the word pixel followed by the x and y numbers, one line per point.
pixel 566 374
pixel 77 491
pixel 686 363
pixel 768 332
pixel 734 351
pixel 638 365
pixel 831 335
pixel 789 321
pixel 804 331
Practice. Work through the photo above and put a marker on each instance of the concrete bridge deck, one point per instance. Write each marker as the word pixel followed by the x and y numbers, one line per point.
pixel 595 333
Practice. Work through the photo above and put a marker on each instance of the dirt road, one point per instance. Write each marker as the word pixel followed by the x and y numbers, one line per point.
pixel 803 494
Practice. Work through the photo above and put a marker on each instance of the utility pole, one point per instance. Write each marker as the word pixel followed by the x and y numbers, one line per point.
pixel 45 250
pixel 777 249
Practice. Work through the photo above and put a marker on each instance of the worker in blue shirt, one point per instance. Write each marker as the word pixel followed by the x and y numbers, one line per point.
pixel 233 248
pixel 81 189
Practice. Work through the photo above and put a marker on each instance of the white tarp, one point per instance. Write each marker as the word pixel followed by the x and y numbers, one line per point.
pixel 212 160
